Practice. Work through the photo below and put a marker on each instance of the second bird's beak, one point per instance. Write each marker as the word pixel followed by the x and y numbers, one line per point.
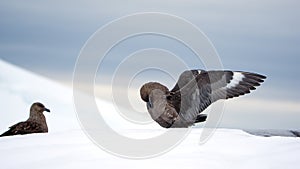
pixel 47 110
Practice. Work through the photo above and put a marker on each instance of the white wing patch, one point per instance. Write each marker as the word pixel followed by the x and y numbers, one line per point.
pixel 199 72
pixel 236 79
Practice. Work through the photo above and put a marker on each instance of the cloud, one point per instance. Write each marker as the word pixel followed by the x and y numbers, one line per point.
pixel 257 113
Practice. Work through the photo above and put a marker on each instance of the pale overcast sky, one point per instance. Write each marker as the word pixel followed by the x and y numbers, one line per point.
pixel 252 35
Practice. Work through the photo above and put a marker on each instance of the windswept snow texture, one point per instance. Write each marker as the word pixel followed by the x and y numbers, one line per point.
pixel 66 146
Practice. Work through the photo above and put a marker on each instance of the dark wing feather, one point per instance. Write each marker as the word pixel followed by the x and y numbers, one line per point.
pixel 197 89
pixel 26 127
pixel 240 83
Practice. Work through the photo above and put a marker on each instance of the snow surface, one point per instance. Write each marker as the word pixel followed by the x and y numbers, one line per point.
pixel 66 146
pixel 226 149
